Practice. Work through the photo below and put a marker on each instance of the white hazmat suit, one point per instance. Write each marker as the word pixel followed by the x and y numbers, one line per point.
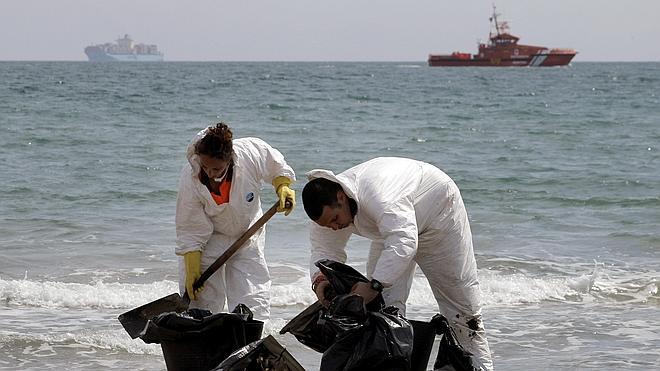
pixel 413 213
pixel 203 225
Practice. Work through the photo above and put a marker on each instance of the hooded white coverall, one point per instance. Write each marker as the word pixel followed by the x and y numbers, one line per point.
pixel 413 213
pixel 203 225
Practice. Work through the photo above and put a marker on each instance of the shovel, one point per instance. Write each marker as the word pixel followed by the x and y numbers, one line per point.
pixel 135 320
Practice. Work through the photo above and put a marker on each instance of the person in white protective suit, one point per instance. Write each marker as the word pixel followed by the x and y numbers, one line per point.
pixel 218 200
pixel 414 214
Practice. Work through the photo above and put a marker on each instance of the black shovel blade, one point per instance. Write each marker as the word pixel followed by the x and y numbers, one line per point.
pixel 135 320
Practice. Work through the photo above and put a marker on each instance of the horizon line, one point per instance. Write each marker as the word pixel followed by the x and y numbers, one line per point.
pixel 285 61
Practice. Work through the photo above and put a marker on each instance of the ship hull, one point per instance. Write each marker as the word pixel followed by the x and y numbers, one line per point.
pixel 96 54
pixel 537 60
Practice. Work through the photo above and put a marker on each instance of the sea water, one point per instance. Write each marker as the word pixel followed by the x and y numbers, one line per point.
pixel 559 169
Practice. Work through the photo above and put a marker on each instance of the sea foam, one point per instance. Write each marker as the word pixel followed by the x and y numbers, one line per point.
pixel 497 289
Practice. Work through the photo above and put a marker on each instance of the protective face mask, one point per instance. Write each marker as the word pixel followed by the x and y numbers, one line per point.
pixel 223 176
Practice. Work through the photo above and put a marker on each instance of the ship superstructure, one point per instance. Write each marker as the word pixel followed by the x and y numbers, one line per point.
pixel 125 50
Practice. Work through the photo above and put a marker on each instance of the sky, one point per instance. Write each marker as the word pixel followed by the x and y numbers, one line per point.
pixel 313 30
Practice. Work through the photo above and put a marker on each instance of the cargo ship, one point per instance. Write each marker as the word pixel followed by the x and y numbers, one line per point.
pixel 125 50
pixel 504 51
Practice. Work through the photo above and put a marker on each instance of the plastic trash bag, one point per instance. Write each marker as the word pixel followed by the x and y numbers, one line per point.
pixel 199 340
pixel 342 277
pixel 367 340
pixel 451 355
pixel 310 329
pixel 424 336
pixel 353 336
pixel 310 326
pixel 262 355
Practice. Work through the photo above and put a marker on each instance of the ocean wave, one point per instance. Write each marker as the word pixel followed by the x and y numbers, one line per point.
pixel 275 106
pixel 92 198
pixel 296 293
pixel 161 194
pixel 112 338
pixel 508 287
pixel 604 201
pixel 363 98
pixel 25 89
pixel 100 295
pixel 598 284
pixel 115 339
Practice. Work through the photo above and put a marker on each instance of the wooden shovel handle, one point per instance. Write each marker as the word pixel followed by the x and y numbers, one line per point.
pixel 234 247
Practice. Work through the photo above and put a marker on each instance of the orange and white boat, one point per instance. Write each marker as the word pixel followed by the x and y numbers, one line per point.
pixel 504 51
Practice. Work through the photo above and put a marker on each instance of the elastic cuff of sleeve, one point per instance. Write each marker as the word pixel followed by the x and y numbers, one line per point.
pixel 280 181
pixel 183 253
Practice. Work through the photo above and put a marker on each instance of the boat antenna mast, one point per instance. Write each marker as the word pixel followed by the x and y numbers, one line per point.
pixel 500 26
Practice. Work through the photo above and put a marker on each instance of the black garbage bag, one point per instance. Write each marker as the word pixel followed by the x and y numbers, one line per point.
pixel 424 336
pixel 310 326
pixel 262 355
pixel 199 340
pixel 451 355
pixel 350 335
pixel 366 340
pixel 342 277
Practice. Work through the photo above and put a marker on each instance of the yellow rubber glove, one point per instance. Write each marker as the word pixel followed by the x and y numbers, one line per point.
pixel 193 262
pixel 287 195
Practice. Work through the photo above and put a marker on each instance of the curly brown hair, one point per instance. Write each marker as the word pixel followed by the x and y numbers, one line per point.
pixel 216 142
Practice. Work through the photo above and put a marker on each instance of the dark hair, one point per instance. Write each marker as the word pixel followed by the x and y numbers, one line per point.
pixel 216 142
pixel 318 193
